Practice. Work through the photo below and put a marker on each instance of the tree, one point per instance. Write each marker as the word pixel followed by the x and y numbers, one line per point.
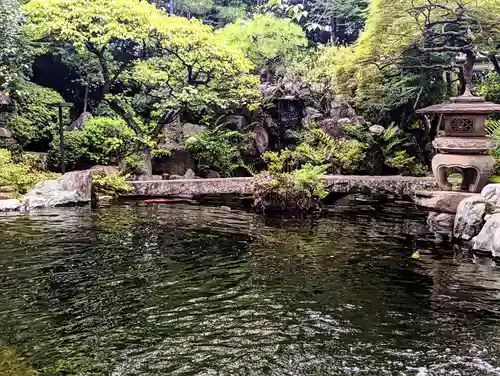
pixel 14 50
pixel 341 20
pixel 266 40
pixel 152 66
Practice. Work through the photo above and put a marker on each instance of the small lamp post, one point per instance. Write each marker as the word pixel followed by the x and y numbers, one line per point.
pixel 60 107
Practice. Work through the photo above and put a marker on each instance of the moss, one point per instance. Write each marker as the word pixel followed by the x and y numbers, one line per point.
pixel 12 364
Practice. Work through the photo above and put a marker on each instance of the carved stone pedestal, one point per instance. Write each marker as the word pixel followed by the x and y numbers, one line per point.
pixel 475 170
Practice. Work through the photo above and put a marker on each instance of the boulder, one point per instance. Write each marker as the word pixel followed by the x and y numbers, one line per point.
pixel 211 174
pixel 106 170
pixel 190 130
pixel 72 188
pixel 177 163
pixel 344 121
pixel 237 121
pixel 340 109
pixel 81 121
pixel 310 114
pixel 5 133
pixel 11 205
pixel 441 222
pixel 189 174
pixel 376 130
pixel 488 240
pixel 260 139
pixel 331 127
pixel 440 201
pixel 491 193
pixel 470 217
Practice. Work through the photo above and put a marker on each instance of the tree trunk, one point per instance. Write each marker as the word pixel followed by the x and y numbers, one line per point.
pixel 86 98
pixel 495 63
pixel 145 170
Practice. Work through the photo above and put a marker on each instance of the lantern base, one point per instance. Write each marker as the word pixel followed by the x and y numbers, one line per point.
pixel 475 170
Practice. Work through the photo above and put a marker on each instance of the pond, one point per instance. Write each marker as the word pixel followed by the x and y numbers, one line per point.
pixel 192 290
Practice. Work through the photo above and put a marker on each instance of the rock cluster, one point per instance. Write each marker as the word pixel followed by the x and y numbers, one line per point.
pixel 478 220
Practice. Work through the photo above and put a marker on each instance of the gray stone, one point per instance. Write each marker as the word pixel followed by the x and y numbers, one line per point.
pixel 470 217
pixel 81 121
pixel 189 129
pixel 488 240
pixel 72 188
pixel 441 222
pixel 238 121
pixel 11 205
pixel 344 121
pixel 225 208
pixel 491 193
pixel 376 129
pixel 211 174
pixel 260 139
pixel 189 174
pixel 310 115
pixel 5 133
pixel 177 163
pixel 105 170
pixel 440 201
pixel 175 177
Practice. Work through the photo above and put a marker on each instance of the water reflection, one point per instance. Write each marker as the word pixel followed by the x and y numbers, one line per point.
pixel 183 290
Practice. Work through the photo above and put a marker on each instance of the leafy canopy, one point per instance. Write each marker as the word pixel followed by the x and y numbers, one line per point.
pixel 266 40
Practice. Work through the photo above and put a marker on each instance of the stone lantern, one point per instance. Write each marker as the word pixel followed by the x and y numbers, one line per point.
pixel 465 144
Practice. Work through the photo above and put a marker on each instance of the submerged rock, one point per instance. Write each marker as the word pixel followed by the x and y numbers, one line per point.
pixel 441 222
pixel 72 188
pixel 488 239
pixel 470 217
pixel 11 205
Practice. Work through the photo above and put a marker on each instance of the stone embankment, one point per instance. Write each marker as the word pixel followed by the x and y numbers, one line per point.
pixel 394 186
pixel 469 217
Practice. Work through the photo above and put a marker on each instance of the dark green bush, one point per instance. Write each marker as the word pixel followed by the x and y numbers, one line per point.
pixel 30 118
pixel 102 141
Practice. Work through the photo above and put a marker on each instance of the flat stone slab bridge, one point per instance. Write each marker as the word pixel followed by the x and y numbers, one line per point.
pixel 394 186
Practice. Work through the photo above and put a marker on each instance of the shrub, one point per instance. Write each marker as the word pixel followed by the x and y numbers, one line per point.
pixel 490 87
pixel 299 190
pixel 20 176
pixel 110 184
pixel 30 119
pixel 102 141
pixel 75 150
pixel 218 149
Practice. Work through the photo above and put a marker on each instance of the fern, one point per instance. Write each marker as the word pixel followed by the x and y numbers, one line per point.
pixel 492 128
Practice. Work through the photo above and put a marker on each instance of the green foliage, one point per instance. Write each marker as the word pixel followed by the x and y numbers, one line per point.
pixel 110 184
pixel 14 49
pixel 341 19
pixel 11 364
pixel 75 151
pixel 490 87
pixel 266 40
pixel 299 190
pixel 107 139
pixel 30 119
pixel 218 149
pixel 20 176
pixel 103 141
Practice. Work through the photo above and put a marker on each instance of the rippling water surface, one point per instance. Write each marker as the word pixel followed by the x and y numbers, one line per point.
pixel 184 290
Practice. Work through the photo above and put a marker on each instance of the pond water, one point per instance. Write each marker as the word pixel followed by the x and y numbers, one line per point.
pixel 188 290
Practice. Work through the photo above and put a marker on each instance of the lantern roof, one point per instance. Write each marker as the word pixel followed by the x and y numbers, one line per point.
pixel 465 104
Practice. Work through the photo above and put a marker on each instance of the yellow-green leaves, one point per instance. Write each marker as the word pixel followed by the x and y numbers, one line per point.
pixel 98 22
pixel 265 39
